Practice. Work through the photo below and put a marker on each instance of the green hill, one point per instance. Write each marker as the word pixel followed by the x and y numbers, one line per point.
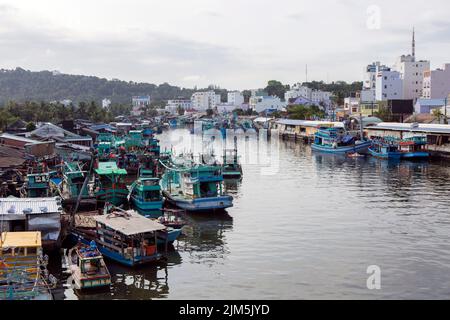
pixel 22 85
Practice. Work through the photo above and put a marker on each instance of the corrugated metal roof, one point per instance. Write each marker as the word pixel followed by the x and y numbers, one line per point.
pixel 131 225
pixel 309 123
pixel 415 127
pixel 18 138
pixel 12 205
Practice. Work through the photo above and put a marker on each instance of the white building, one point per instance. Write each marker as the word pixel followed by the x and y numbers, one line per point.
pixel 412 74
pixel 180 103
pixel 314 96
pixel 138 104
pixel 227 108
pixel 264 103
pixel 436 83
pixel 235 98
pixel 201 101
pixel 106 103
pixel 368 93
pixel 388 85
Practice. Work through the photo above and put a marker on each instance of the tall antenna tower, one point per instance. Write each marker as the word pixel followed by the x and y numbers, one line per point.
pixel 414 44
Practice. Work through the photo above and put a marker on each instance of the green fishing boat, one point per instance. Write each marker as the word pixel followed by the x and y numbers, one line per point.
pixel 109 183
pixel 146 197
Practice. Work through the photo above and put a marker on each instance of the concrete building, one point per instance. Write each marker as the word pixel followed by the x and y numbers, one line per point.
pixel 436 83
pixel 316 97
pixel 388 86
pixel 412 75
pixel 266 103
pixel 138 104
pixel 368 93
pixel 235 98
pixel 106 103
pixel 201 101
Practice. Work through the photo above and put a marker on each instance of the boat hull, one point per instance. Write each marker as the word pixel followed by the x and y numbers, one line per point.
pixel 342 150
pixel 148 209
pixel 389 155
pixel 201 204
pixel 415 155
pixel 121 259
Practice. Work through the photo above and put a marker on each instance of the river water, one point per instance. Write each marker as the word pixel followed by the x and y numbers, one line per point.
pixel 305 226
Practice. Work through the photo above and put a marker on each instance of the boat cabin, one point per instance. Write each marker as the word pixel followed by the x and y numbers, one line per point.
pixel 37 185
pixel 128 237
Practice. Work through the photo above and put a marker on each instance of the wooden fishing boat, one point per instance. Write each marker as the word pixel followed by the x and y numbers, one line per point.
pixel 195 187
pixel 335 140
pixel 231 168
pixel 22 267
pixel 126 237
pixel 383 149
pixel 414 148
pixel 145 196
pixel 37 185
pixel 87 267
pixel 109 183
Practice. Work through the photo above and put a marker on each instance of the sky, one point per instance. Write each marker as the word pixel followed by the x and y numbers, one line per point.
pixel 234 44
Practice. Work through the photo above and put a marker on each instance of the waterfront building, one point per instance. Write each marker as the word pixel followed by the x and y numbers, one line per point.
pixel 412 75
pixel 139 103
pixel 436 83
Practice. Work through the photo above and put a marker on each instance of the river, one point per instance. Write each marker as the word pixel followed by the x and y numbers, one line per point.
pixel 306 226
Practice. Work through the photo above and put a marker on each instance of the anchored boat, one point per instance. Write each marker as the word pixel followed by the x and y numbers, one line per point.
pixel 126 237
pixel 195 187
pixel 22 267
pixel 146 197
pixel 393 148
pixel 231 168
pixel 109 183
pixel 335 140
pixel 87 267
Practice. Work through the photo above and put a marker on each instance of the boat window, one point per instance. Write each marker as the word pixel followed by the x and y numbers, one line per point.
pixel 152 195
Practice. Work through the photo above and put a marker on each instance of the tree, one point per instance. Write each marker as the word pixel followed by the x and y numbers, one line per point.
pixel 209 112
pixel 180 110
pixel 30 126
pixel 302 112
pixel 276 88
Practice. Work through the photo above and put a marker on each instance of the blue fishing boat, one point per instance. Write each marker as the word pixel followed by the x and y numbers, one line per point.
pixel 383 149
pixel 336 140
pixel 146 197
pixel 414 148
pixel 109 185
pixel 195 187
pixel 126 237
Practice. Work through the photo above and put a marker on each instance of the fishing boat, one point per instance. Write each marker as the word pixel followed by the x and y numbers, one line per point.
pixel 384 149
pixel 394 148
pixel 145 196
pixel 336 140
pixel 231 168
pixel 73 180
pixel 37 185
pixel 109 185
pixel 414 148
pixel 87 267
pixel 125 237
pixel 23 267
pixel 195 187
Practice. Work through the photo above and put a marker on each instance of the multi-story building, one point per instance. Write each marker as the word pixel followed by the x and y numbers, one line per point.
pixel 201 101
pixel 235 98
pixel 388 85
pixel 368 93
pixel 138 104
pixel 436 83
pixel 412 74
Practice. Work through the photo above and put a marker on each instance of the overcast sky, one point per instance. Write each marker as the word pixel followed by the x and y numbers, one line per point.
pixel 235 44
